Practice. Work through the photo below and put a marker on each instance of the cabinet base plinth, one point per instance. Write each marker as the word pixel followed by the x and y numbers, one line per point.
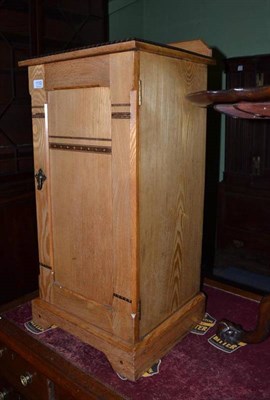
pixel 130 360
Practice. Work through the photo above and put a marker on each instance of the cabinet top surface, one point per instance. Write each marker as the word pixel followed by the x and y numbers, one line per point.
pixel 117 47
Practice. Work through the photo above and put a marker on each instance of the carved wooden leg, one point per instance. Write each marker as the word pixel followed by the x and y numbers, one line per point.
pixel 233 333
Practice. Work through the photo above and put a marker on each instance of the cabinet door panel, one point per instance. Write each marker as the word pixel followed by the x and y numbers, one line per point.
pixel 81 193
pixel 80 113
pixel 81 219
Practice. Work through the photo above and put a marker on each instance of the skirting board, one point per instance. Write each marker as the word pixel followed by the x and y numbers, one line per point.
pixel 129 360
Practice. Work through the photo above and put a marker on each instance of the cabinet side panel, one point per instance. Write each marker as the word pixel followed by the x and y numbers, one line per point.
pixel 171 186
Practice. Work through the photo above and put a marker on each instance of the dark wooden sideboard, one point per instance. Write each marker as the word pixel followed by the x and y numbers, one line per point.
pixel 243 228
pixel 29 370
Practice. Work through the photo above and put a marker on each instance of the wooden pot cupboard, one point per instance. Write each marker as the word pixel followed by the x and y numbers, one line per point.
pixel 119 163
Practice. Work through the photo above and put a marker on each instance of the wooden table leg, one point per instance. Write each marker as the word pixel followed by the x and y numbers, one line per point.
pixel 234 333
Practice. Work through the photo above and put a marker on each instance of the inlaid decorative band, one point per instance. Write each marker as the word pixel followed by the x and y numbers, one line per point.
pixel 121 115
pixel 122 297
pixel 84 148
pixel 45 266
pixel 121 105
pixel 38 115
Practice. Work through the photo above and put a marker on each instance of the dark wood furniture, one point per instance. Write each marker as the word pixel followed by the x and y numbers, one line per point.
pixel 29 370
pixel 243 224
pixel 29 28
pixel 241 105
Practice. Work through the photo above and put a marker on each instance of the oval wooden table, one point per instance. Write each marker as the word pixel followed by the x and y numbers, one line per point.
pixel 247 103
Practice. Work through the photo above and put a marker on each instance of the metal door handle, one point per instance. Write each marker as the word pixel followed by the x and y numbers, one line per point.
pixel 40 177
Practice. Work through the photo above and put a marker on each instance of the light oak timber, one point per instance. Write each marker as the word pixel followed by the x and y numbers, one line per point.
pixel 80 141
pixel 38 96
pixel 93 118
pixel 46 281
pixel 75 73
pixel 76 304
pixel 131 361
pixel 132 45
pixel 172 138
pixel 197 46
pixel 123 82
pixel 120 214
pixel 41 160
pixel 81 253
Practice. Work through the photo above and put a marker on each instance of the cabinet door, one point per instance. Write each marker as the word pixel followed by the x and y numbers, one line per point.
pixel 85 143
pixel 79 180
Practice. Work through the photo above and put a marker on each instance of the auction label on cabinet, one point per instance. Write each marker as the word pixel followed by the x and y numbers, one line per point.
pixel 38 83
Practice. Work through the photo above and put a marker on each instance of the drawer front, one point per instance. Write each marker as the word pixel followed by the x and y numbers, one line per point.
pixel 23 376
pixel 7 392
pixel 61 394
pixel 75 73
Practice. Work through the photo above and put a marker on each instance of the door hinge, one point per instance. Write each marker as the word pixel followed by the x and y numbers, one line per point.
pixel 140 93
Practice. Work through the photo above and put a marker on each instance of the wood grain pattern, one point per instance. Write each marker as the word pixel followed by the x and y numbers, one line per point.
pixel 197 46
pixel 80 113
pixel 89 311
pixel 91 141
pixel 134 210
pixel 126 225
pixel 82 221
pixel 128 46
pixel 38 96
pixel 171 186
pixel 162 339
pixel 246 96
pixel 46 281
pixel 41 160
pixel 129 360
pixel 122 82
pixel 75 73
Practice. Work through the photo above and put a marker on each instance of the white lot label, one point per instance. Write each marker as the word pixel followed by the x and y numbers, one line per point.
pixel 38 83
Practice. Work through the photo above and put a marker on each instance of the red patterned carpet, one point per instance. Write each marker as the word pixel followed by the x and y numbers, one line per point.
pixel 193 370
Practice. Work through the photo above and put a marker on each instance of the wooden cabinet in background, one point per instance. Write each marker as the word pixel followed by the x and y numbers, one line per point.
pixel 119 161
pixel 244 196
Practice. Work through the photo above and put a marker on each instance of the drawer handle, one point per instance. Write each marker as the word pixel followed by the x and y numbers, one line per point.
pixel 26 379
pixel 4 394
pixel 2 351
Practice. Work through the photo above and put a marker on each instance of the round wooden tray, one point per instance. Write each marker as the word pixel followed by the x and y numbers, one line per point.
pixel 249 103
